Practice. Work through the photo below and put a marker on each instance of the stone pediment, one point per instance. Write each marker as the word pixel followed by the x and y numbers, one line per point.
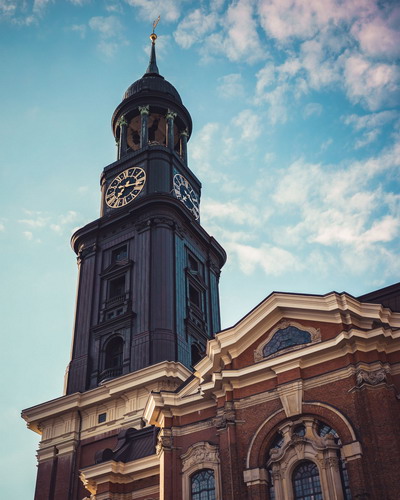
pixel 340 312
pixel 115 267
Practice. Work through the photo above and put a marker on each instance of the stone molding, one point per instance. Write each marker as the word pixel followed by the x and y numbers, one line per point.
pixel 314 333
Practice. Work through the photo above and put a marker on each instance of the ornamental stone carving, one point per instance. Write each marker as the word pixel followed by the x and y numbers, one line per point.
pixel 122 121
pixel 371 377
pixel 309 335
pixel 164 441
pixel 144 110
pixel 225 416
pixel 201 454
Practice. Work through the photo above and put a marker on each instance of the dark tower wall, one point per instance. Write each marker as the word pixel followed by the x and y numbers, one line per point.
pixel 148 272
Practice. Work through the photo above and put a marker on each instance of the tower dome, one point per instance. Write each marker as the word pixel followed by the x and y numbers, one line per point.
pixel 154 95
pixel 152 81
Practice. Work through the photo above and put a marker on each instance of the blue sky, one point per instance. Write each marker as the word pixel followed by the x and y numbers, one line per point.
pixel 296 140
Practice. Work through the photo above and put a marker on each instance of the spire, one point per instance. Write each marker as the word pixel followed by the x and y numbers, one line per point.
pixel 152 67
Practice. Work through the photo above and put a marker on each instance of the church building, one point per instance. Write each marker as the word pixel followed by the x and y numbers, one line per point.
pixel 297 401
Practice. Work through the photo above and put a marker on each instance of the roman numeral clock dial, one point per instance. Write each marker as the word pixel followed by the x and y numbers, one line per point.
pixel 125 187
pixel 184 192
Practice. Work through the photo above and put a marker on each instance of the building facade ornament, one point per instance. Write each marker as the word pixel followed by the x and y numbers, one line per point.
pixel 164 441
pixel 303 440
pixel 374 377
pixel 307 335
pixel 144 110
pixel 225 416
pixel 170 115
pixel 200 453
pixel 122 121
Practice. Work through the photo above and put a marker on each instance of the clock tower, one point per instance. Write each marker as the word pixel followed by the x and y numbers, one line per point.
pixel 148 271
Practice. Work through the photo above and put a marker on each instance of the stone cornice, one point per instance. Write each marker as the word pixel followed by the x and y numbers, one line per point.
pixel 119 472
pixel 113 388
pixel 215 384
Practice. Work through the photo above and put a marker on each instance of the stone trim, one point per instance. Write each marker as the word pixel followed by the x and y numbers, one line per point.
pixel 255 476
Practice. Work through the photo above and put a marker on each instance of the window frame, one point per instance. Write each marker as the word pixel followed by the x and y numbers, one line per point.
pixel 199 456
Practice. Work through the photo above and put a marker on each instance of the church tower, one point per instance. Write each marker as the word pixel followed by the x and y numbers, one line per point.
pixel 147 303
pixel 148 272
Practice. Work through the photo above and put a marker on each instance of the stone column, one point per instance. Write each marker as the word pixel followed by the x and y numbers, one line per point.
pixel 184 138
pixel 122 145
pixel 144 129
pixel 170 116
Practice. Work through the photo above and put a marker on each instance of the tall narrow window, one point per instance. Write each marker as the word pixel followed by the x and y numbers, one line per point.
pixel 203 485
pixel 306 482
pixel 114 354
pixel 195 351
pixel 113 359
pixel 116 287
pixel 194 296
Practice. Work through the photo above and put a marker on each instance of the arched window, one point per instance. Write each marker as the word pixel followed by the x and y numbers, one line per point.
pixel 113 359
pixel 305 462
pixel 114 353
pixel 203 485
pixel 306 482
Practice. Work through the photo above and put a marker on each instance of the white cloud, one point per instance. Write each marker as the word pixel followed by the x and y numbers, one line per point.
pixel 39 5
pixel 28 235
pixel 312 108
pixel 271 259
pixel 371 120
pixel 107 27
pixel 339 206
pixel 234 211
pixel 377 37
pixel 371 84
pixel 237 39
pixel 80 29
pixel 230 86
pixel 325 145
pixel 37 221
pixel 194 27
pixel 285 19
pixel 169 10
pixel 114 7
pixel 110 31
pixel 249 123
pixel 2 226
pixel 370 125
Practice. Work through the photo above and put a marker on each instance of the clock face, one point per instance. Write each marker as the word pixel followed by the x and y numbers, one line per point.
pixel 125 187
pixel 184 192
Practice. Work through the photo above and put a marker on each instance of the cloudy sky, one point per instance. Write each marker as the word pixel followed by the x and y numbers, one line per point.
pixel 296 139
